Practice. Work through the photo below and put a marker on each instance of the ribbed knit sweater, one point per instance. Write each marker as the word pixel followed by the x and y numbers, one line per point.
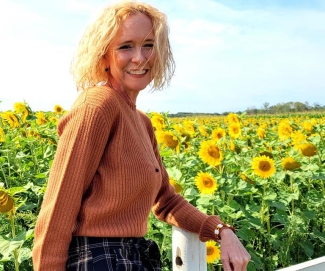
pixel 103 180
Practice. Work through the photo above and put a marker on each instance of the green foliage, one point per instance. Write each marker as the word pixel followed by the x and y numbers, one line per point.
pixel 280 219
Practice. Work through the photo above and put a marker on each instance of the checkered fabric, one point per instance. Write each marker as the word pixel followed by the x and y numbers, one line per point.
pixel 113 254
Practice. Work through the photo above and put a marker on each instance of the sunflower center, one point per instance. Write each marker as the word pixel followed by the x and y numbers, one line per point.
pixel 264 166
pixel 214 152
pixel 207 183
pixel 210 250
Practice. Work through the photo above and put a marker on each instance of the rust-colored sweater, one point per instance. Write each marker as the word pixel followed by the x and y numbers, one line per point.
pixel 103 181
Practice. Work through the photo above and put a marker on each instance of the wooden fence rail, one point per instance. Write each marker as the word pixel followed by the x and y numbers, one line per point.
pixel 189 254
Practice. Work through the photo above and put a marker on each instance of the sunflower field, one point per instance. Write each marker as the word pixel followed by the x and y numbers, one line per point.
pixel 263 174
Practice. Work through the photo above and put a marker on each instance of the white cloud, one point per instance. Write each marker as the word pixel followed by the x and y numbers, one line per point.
pixel 226 59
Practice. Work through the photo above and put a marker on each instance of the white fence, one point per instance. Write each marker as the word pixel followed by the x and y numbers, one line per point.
pixel 189 254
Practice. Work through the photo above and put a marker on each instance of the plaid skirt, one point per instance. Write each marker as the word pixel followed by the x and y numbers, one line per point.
pixel 113 254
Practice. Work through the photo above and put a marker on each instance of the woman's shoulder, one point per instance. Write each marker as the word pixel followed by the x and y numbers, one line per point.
pixel 96 102
pixel 99 96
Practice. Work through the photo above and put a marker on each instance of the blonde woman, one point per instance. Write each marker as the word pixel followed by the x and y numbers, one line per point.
pixel 107 174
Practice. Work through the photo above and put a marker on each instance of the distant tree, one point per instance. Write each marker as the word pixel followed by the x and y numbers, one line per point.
pixel 300 107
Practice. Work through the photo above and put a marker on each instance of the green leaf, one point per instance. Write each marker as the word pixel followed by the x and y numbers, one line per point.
pixel 7 246
pixel 255 222
pixel 25 253
pixel 270 196
pixel 319 235
pixel 204 200
pixel 175 173
pixel 245 234
pixel 277 204
pixel 307 247
pixel 234 205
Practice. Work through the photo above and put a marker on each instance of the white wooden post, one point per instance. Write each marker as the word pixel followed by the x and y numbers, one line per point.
pixel 189 253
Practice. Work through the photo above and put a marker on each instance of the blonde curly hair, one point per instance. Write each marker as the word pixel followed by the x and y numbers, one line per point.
pixel 88 68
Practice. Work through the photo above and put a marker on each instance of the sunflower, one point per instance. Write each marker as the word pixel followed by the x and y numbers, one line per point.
pixel 232 118
pixel 41 119
pixel 290 163
pixel 6 202
pixel 205 183
pixel 2 135
pixel 308 126
pixel 203 131
pixel 263 166
pixel 261 132
pixel 11 119
pixel 54 120
pixel 218 133
pixel 19 107
pixel 234 130
pixel 168 139
pixel 308 149
pixel 298 138
pixel 58 109
pixel 158 121
pixel 189 127
pixel 177 186
pixel 284 130
pixel 213 252
pixel 210 153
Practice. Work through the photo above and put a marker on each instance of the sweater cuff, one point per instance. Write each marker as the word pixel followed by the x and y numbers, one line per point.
pixel 208 227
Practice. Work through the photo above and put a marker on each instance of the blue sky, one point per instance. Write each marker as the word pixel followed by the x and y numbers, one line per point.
pixel 230 54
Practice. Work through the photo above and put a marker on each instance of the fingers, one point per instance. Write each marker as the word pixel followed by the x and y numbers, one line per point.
pixel 234 256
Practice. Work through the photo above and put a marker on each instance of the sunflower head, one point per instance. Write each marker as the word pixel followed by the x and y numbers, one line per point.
pixel 58 109
pixel 6 202
pixel 213 252
pixel 308 149
pixel 203 131
pixel 284 130
pixel 10 118
pixel 232 118
pixel 168 139
pixel 308 126
pixel 234 130
pixel 2 135
pixel 158 121
pixel 218 133
pixel 41 119
pixel 210 153
pixel 290 163
pixel 261 132
pixel 263 166
pixel 298 138
pixel 205 183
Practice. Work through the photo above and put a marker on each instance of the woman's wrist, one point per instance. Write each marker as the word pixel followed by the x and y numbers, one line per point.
pixel 220 229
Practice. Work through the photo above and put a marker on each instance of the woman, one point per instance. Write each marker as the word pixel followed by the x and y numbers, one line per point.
pixel 107 173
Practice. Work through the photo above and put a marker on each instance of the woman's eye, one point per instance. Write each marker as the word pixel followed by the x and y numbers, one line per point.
pixel 149 45
pixel 125 47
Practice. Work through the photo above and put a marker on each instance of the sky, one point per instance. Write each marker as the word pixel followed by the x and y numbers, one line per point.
pixel 230 55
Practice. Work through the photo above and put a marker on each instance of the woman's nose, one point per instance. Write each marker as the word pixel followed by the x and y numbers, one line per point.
pixel 139 56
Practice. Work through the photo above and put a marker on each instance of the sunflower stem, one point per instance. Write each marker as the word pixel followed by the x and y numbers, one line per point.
pixel 13 232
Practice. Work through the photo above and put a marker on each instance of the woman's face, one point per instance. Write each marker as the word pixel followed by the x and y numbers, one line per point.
pixel 131 55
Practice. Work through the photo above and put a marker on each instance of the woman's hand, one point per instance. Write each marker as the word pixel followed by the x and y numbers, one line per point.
pixel 234 256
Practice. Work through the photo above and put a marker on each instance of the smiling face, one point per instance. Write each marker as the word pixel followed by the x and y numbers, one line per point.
pixel 131 55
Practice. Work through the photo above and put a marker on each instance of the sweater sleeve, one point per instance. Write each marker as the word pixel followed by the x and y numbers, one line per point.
pixel 175 209
pixel 83 136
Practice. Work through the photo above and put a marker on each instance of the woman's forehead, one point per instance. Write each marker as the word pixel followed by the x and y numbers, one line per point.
pixel 135 26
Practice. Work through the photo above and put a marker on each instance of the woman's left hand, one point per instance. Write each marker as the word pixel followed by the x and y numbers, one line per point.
pixel 234 256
